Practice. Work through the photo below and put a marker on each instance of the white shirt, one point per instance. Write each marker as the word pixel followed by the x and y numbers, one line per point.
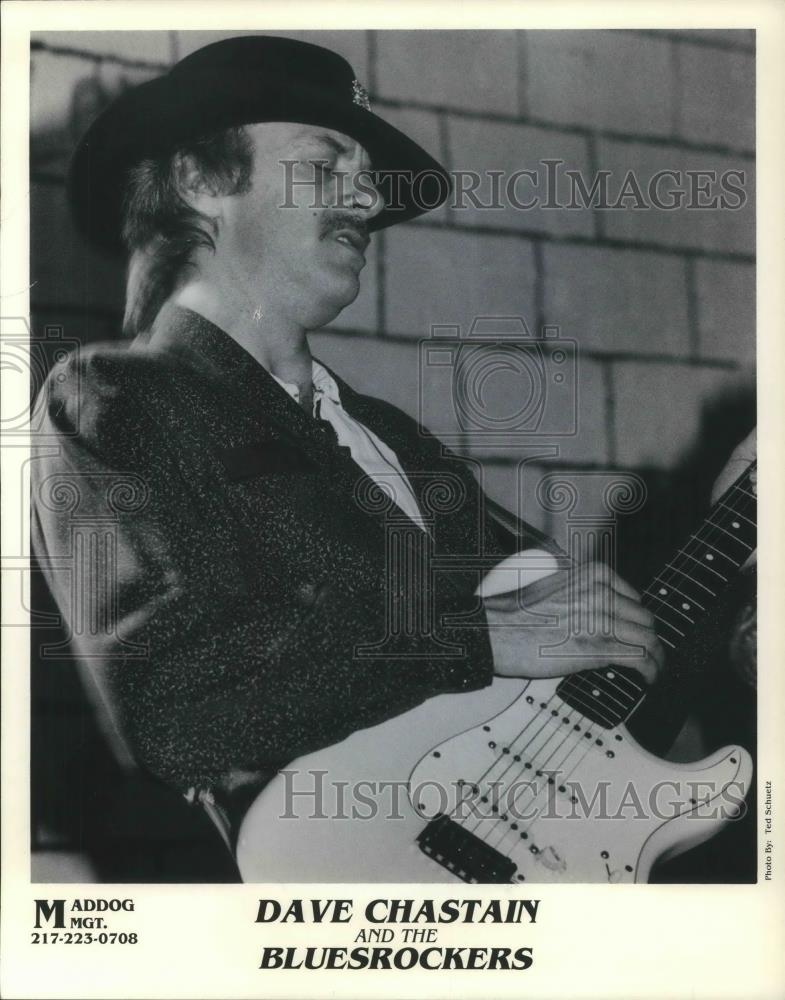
pixel 368 451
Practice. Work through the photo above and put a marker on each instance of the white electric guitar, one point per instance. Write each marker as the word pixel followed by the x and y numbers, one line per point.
pixel 522 781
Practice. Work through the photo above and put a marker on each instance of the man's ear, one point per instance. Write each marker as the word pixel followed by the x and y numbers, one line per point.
pixel 193 187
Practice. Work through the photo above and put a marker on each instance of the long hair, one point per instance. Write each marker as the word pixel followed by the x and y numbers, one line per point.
pixel 160 229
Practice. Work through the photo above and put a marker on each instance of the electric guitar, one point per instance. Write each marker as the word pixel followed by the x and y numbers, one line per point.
pixel 522 781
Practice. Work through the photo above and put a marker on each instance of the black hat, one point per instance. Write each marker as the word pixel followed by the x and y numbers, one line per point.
pixel 238 81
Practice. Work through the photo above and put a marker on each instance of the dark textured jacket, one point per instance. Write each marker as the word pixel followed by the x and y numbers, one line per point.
pixel 221 561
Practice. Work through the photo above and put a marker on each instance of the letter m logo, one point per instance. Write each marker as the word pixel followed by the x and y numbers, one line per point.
pixel 50 908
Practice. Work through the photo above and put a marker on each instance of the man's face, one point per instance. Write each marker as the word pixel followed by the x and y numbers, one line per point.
pixel 294 244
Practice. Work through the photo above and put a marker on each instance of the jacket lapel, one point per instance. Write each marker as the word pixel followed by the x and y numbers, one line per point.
pixel 253 392
pixel 259 408
pixel 455 528
pixel 262 405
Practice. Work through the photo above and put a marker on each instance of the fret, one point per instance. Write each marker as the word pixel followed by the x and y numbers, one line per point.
pixel 666 588
pixel 737 514
pixel 733 535
pixel 685 575
pixel 664 621
pixel 678 611
pixel 664 606
pixel 585 681
pixel 607 696
pixel 715 549
pixel 629 682
pixel 728 534
pixel 681 572
pixel 598 694
pixel 572 698
pixel 703 563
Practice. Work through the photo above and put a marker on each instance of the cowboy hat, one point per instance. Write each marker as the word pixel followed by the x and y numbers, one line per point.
pixel 239 81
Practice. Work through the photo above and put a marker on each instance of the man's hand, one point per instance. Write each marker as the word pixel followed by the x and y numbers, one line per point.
pixel 741 456
pixel 599 620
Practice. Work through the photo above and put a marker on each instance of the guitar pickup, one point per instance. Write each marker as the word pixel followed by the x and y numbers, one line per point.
pixel 464 854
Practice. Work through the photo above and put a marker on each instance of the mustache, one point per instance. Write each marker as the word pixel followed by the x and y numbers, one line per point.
pixel 336 221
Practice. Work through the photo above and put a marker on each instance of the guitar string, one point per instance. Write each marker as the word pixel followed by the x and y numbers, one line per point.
pixel 550 782
pixel 696 539
pixel 499 823
pixel 609 722
pixel 477 783
pixel 711 526
pixel 533 847
pixel 532 760
pixel 538 790
pixel 577 743
pixel 569 737
pixel 665 578
pixel 520 750
pixel 505 831
pixel 589 748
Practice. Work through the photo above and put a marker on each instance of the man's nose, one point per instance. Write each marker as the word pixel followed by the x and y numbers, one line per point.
pixel 363 193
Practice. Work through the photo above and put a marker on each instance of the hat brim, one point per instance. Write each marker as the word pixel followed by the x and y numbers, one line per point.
pixel 159 116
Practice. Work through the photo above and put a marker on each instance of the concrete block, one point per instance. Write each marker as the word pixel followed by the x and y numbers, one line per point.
pixel 730 229
pixel 435 276
pixel 659 408
pixel 600 79
pixel 474 70
pixel 726 310
pixel 516 200
pixel 717 96
pixel 389 370
pixel 617 300
pixel 743 37
pixel 586 437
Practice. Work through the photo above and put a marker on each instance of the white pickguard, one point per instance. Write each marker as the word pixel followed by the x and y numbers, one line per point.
pixel 359 806
pixel 311 847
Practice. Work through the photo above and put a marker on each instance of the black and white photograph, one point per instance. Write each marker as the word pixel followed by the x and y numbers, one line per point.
pixel 390 506
pixel 403 485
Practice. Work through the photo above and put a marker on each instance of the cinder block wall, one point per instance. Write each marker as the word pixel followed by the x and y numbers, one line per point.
pixel 660 303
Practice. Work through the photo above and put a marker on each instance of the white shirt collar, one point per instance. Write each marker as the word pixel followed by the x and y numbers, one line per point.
pixel 323 385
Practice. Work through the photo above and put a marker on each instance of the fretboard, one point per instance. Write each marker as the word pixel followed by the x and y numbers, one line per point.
pixel 680 597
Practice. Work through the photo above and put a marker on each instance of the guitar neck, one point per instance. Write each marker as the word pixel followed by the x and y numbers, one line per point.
pixel 680 597
pixel 692 581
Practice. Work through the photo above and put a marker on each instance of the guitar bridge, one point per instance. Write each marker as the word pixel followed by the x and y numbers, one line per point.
pixel 463 854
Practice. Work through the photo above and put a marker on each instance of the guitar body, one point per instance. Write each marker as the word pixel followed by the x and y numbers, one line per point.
pixel 375 807
pixel 522 781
